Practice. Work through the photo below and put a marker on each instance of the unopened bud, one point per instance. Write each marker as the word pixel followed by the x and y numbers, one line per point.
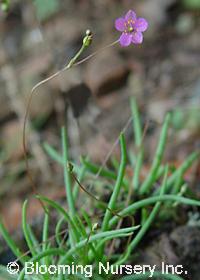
pixel 95 226
pixel 87 40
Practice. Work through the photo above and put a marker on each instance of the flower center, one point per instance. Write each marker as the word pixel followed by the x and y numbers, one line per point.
pixel 129 25
pixel 130 29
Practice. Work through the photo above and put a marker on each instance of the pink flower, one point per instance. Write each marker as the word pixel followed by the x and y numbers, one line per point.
pixel 131 28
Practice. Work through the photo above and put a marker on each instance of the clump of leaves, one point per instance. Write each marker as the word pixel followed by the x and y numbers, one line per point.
pixel 88 236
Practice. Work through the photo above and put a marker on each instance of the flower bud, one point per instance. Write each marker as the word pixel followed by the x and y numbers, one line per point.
pixel 95 226
pixel 87 40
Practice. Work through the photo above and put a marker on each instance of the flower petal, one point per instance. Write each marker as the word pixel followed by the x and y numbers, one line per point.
pixel 137 38
pixel 141 24
pixel 125 39
pixel 120 24
pixel 130 15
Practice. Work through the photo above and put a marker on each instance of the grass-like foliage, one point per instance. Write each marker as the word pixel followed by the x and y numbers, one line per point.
pixel 107 233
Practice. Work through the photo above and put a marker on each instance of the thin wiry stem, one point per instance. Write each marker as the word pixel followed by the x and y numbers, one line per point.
pixel 71 64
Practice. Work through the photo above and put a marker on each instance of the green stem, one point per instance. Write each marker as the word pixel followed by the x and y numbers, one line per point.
pixel 181 170
pixel 67 175
pixel 45 236
pixel 75 58
pixel 138 142
pixel 112 202
pixel 76 186
pixel 67 217
pixel 11 243
pixel 146 225
pixel 148 183
pixel 51 252
pixel 151 200
pixel 58 235
pixel 106 234
pixel 93 168
pixel 87 40
pixel 104 172
pixel 26 230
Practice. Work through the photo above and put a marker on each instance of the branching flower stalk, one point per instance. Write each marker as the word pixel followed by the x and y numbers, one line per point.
pixel 87 40
pixel 132 28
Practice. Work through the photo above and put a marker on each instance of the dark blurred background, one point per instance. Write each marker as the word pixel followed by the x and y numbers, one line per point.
pixel 38 37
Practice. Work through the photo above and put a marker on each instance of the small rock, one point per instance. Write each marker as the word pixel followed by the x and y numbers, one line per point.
pixel 158 108
pixel 98 148
pixel 187 245
pixel 108 73
pixel 185 23
pixel 160 251
pixel 12 140
pixel 12 215
pixel 155 11
pixel 5 111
